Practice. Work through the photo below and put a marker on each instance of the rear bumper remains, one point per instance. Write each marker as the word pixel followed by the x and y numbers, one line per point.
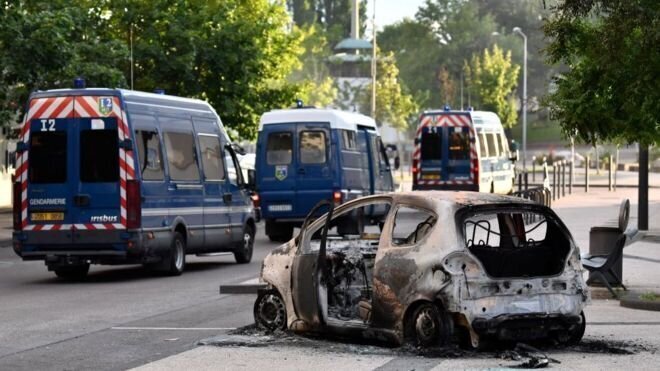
pixel 525 326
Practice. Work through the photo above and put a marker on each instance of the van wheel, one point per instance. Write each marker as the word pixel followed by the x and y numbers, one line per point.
pixel 73 273
pixel 243 253
pixel 350 225
pixel 177 258
pixel 428 326
pixel 279 232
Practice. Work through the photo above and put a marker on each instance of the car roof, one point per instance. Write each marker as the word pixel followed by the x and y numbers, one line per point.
pixel 460 198
pixel 337 119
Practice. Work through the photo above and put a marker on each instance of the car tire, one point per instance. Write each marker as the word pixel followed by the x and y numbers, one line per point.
pixel 428 326
pixel 575 336
pixel 270 311
pixel 73 273
pixel 243 252
pixel 176 262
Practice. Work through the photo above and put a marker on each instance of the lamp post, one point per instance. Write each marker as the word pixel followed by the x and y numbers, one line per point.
pixel 373 65
pixel 524 100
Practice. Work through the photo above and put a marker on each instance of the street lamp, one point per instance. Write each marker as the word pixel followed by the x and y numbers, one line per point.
pixel 524 100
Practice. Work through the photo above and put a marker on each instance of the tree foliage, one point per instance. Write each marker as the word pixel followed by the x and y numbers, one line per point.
pixel 393 105
pixel 492 78
pixel 612 88
pixel 232 53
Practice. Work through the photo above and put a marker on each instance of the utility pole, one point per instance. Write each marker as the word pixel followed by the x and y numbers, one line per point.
pixel 524 102
pixel 373 64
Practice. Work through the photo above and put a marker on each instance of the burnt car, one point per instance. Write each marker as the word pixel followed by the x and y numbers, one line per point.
pixel 439 267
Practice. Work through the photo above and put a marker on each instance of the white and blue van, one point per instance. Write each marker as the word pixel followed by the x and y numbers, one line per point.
pixel 305 155
pixel 111 176
pixel 462 150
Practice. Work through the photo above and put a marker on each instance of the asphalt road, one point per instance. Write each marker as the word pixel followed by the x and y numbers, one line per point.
pixel 121 316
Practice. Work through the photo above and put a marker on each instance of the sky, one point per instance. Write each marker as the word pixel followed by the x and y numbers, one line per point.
pixel 391 11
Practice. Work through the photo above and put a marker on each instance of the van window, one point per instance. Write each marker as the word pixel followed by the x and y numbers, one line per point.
pixel 432 145
pixel 492 144
pixel 483 148
pixel 279 148
pixel 99 147
pixel 349 142
pixel 504 149
pixel 235 177
pixel 211 157
pixel 181 156
pixel 411 225
pixel 150 155
pixel 47 157
pixel 459 145
pixel 312 147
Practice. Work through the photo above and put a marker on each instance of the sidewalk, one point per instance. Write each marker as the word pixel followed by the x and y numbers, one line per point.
pixel 608 324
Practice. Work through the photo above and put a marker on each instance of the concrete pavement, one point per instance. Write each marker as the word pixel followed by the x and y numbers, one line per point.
pixel 616 337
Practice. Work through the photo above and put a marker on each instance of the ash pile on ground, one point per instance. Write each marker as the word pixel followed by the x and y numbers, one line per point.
pixel 538 355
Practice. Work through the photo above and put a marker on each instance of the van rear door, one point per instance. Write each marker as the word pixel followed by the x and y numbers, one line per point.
pixel 275 170
pixel 313 171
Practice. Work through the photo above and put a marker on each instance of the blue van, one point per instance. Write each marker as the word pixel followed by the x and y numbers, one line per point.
pixel 124 177
pixel 462 150
pixel 305 155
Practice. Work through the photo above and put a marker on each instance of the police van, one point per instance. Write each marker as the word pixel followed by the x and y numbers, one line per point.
pixel 462 150
pixel 305 155
pixel 123 177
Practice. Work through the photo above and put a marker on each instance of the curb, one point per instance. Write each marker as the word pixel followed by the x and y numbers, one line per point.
pixel 632 300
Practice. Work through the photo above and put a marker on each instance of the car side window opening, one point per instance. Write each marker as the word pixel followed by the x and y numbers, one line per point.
pixel 181 160
pixel 211 157
pixel 411 225
pixel 150 155
pixel 514 244
pixel 312 147
pixel 279 148
pixel 48 157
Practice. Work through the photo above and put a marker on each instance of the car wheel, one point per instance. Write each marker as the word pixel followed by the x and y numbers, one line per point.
pixel 73 273
pixel 243 253
pixel 428 326
pixel 270 311
pixel 574 336
pixel 177 258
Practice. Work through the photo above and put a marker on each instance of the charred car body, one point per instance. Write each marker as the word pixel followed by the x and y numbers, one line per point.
pixel 441 266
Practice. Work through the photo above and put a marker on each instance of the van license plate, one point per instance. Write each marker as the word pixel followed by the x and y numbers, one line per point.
pixel 45 217
pixel 279 208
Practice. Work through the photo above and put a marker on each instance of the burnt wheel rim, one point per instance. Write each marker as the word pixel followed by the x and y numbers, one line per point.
pixel 426 326
pixel 271 312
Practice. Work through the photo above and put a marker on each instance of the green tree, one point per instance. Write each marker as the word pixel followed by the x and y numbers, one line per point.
pixel 612 87
pixel 318 88
pixel 393 105
pixel 492 79
pixel 45 45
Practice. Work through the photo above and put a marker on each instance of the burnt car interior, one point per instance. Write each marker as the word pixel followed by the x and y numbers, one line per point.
pixel 510 243
pixel 349 259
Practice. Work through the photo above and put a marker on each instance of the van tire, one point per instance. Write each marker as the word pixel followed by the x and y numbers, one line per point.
pixel 243 252
pixel 350 225
pixel 176 261
pixel 279 232
pixel 73 273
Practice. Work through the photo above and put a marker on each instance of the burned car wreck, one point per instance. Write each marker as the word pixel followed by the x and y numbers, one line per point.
pixel 439 266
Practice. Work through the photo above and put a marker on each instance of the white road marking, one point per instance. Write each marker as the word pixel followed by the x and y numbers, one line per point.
pixel 175 328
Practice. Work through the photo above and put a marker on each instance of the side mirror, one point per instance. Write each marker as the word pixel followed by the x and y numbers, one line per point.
pixel 21 147
pixel 514 156
pixel 416 141
pixel 397 163
pixel 251 179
